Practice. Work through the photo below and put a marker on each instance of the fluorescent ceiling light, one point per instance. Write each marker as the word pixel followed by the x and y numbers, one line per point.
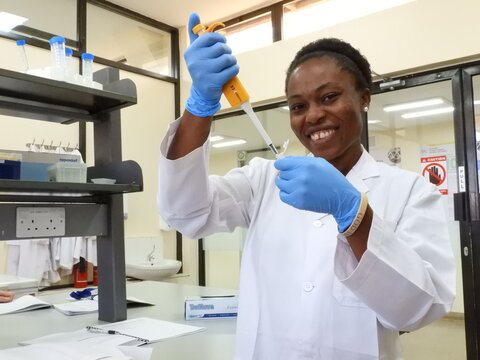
pixel 229 143
pixel 428 112
pixel 414 104
pixel 214 138
pixel 9 21
pixel 476 102
pixel 374 121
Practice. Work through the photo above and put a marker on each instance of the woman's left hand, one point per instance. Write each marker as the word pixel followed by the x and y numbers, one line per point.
pixel 6 296
pixel 311 183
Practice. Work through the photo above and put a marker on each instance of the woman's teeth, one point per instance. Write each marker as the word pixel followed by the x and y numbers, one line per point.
pixel 321 134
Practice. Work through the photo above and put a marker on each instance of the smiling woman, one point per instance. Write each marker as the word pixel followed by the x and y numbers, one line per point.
pixel 332 234
pixel 327 94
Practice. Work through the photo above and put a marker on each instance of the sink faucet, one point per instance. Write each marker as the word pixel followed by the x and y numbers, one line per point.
pixel 151 255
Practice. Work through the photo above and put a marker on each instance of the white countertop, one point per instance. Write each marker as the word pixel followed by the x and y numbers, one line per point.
pixel 216 343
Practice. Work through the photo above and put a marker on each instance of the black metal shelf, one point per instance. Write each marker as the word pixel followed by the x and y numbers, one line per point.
pixel 90 209
pixel 20 188
pixel 29 96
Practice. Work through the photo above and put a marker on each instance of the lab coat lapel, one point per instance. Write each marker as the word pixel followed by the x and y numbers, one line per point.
pixel 365 168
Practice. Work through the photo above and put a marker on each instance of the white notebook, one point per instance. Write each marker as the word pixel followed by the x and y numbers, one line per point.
pixel 129 332
pixel 79 307
pixel 24 303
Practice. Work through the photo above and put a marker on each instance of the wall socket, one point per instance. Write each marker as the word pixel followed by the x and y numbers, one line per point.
pixel 40 222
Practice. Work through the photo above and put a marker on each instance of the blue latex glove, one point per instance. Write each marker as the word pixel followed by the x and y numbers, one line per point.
pixel 311 183
pixel 211 64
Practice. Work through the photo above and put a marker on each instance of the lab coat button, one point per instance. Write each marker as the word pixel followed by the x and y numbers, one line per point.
pixel 308 286
pixel 318 223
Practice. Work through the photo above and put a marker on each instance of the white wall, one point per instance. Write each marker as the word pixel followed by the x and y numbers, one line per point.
pixel 417 34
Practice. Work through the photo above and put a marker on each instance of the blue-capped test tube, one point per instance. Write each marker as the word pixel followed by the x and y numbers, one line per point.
pixel 68 57
pixel 59 64
pixel 87 69
pixel 68 65
pixel 23 54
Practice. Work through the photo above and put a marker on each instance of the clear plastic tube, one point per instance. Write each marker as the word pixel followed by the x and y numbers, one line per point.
pixel 57 49
pixel 69 73
pixel 23 55
pixel 87 69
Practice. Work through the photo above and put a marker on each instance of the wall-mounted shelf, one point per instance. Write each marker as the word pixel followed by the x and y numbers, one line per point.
pixel 40 98
pixel 59 188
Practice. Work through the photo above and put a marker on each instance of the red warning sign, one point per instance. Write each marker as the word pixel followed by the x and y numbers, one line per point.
pixel 433 169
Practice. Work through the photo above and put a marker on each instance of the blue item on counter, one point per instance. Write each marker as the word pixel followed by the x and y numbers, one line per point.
pixel 82 294
pixel 9 169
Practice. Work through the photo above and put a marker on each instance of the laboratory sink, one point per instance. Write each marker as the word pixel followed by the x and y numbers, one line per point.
pixel 156 270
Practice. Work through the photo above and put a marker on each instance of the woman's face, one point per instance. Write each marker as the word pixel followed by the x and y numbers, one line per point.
pixel 326 111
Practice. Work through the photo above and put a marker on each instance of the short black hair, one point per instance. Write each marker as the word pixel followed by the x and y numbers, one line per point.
pixel 347 57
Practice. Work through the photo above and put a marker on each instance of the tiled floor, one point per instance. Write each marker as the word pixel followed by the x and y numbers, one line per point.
pixel 442 340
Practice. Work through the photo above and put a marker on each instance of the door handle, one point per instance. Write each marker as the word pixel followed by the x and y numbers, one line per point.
pixel 460 206
pixel 463 212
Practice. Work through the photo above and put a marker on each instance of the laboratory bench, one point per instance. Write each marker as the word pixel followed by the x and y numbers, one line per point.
pixel 216 342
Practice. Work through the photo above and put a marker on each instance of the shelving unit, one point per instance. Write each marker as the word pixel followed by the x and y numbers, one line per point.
pixel 90 209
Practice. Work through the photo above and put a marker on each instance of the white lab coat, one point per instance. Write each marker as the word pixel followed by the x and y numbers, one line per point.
pixel 303 295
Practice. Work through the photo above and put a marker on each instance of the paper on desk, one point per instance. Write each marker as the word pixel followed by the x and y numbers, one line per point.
pixel 146 328
pixel 75 351
pixel 151 329
pixel 80 336
pixel 77 307
pixel 24 303
pixel 87 306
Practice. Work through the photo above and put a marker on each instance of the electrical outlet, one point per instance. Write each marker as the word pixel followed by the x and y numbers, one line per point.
pixel 40 221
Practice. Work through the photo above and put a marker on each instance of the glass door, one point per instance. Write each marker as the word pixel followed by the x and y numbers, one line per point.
pixel 413 128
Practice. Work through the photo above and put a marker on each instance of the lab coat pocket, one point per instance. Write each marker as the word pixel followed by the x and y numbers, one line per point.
pixel 344 296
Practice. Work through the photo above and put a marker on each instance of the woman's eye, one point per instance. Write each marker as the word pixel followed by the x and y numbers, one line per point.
pixel 296 107
pixel 329 98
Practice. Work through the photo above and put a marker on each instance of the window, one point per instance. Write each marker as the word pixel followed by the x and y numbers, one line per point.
pixel 250 34
pixel 128 41
pixel 44 16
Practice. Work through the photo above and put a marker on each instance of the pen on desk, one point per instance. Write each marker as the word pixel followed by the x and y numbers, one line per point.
pixel 97 330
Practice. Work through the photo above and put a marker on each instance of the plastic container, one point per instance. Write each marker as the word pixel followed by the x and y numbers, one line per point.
pixel 59 63
pixel 87 69
pixel 23 55
pixel 69 73
pixel 9 169
pixel 67 172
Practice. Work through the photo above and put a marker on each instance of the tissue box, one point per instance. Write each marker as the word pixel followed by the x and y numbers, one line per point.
pixel 210 307
pixel 67 172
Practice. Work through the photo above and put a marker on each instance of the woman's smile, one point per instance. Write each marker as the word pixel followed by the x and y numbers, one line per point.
pixel 322 135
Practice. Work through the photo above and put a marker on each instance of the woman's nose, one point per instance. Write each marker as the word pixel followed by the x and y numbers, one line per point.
pixel 315 113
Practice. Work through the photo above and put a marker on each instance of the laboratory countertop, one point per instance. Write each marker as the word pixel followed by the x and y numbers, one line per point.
pixel 215 343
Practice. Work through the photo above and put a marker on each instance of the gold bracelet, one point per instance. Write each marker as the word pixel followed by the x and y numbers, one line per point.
pixel 358 218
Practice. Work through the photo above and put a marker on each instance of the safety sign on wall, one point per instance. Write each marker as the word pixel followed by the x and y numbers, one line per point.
pixel 434 170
